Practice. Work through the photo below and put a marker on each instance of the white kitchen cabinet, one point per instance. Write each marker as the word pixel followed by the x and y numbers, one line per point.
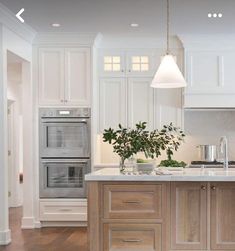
pixel 117 63
pixel 125 101
pixel 168 107
pixel 63 210
pixel 140 64
pixel 140 101
pixel 51 76
pixel 64 76
pixel 128 99
pixel 112 63
pixel 77 76
pixel 112 110
pixel 210 77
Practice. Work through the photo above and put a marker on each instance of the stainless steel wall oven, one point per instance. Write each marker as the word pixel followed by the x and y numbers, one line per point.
pixel 64 152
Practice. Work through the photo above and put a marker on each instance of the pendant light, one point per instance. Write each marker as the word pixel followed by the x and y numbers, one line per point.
pixel 168 74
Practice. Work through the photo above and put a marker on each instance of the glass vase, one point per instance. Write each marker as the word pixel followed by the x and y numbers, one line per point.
pixel 127 165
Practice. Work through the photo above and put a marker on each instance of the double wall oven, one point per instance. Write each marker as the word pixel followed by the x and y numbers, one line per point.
pixel 64 152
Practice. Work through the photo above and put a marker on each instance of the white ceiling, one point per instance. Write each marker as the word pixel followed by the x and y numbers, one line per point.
pixel 115 16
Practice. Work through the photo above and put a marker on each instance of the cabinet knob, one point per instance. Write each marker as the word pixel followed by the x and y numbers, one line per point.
pixel 203 187
pixel 122 70
pixel 213 187
pixel 129 70
pixel 66 101
pixel 62 101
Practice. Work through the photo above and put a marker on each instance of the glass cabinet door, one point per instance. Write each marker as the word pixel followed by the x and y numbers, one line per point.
pixel 140 64
pixel 112 63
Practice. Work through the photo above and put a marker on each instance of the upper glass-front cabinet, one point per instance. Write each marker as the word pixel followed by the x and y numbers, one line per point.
pixel 112 63
pixel 140 63
pixel 126 64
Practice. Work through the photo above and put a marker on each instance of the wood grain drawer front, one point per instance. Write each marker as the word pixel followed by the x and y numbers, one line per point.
pixel 133 201
pixel 132 237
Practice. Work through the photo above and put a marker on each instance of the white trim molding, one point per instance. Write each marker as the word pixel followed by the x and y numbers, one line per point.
pixel 28 223
pixel 136 42
pixel 64 38
pixel 8 19
pixel 208 42
pixel 5 237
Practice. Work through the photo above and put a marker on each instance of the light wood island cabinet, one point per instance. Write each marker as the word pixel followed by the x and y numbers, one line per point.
pixel 161 216
pixel 222 216
pixel 188 215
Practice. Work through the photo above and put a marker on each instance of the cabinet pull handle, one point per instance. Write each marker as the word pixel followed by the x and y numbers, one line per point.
pixel 132 201
pixel 65 210
pixel 203 187
pixel 132 240
pixel 213 187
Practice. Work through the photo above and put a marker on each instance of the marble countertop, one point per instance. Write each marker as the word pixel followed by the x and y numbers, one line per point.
pixel 188 174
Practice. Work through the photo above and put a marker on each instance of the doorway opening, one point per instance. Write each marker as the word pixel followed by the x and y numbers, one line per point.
pixel 15 130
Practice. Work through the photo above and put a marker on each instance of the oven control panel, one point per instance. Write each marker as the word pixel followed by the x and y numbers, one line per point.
pixel 84 112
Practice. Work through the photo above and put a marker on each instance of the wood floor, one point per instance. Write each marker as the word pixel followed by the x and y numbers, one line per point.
pixel 44 239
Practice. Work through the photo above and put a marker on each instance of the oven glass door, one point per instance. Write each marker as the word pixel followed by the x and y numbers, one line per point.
pixel 63 138
pixel 63 178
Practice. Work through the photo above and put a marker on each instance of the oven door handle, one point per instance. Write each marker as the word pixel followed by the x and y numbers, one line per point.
pixel 64 120
pixel 64 161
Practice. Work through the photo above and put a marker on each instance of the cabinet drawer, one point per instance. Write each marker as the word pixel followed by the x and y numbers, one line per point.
pixel 63 211
pixel 132 237
pixel 132 201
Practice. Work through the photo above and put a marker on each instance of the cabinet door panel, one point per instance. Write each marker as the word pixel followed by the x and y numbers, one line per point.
pixel 51 76
pixel 168 107
pixel 112 63
pixel 77 76
pixel 133 201
pixel 112 103
pixel 132 237
pixel 188 216
pixel 223 216
pixel 140 63
pixel 140 101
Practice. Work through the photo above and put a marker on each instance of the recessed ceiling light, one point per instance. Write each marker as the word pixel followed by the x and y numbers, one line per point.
pixel 134 25
pixel 220 15
pixel 214 15
pixel 56 25
pixel 209 15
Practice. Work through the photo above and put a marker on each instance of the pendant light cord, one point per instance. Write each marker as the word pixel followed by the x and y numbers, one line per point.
pixel 168 24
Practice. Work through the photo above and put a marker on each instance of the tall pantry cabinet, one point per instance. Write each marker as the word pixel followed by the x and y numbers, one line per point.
pixel 125 95
pixel 63 74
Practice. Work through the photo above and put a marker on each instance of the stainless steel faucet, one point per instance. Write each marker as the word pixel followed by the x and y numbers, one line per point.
pixel 224 150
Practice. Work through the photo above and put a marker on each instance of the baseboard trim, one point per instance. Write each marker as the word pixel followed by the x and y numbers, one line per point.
pixel 27 223
pixel 5 237
pixel 63 224
pixel 37 224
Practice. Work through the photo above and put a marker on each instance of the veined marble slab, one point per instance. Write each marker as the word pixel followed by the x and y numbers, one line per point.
pixel 208 174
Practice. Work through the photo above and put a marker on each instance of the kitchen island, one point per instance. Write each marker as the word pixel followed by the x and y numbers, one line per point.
pixel 183 210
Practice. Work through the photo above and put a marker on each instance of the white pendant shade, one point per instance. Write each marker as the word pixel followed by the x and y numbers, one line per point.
pixel 168 74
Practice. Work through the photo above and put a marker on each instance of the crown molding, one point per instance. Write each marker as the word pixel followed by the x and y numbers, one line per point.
pixel 62 38
pixel 8 19
pixel 134 42
pixel 208 42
